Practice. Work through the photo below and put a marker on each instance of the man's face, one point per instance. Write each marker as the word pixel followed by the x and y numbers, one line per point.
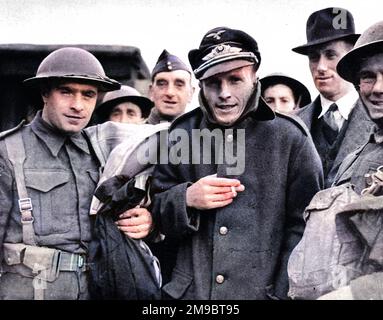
pixel 171 92
pixel 371 86
pixel 126 112
pixel 69 106
pixel 280 98
pixel 322 61
pixel 228 93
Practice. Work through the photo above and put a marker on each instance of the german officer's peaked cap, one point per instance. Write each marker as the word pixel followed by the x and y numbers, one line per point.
pixel 234 48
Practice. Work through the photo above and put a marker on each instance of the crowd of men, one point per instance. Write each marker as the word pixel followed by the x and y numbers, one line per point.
pixel 222 218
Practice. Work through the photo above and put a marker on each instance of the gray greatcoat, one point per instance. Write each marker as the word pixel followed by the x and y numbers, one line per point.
pixel 239 251
pixel 354 133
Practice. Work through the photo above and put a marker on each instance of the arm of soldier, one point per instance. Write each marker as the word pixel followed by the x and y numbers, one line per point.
pixel 136 223
pixel 6 196
pixel 305 179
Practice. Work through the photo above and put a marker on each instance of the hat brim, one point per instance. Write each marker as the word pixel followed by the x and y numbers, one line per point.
pixel 145 105
pixel 298 88
pixel 225 67
pixel 303 49
pixel 349 65
pixel 105 84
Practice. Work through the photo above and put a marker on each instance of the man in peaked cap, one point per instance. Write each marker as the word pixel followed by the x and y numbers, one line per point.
pixel 363 66
pixel 171 88
pixel 47 178
pixel 125 105
pixel 337 121
pixel 283 93
pixel 235 222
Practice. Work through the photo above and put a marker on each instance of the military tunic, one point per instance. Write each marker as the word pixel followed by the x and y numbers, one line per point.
pixel 60 177
pixel 363 161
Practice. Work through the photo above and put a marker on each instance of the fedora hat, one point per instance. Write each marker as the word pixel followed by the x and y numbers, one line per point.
pixel 301 93
pixel 369 43
pixel 328 25
pixel 125 94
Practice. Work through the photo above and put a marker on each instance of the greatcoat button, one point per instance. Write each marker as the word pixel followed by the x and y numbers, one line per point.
pixel 220 279
pixel 223 230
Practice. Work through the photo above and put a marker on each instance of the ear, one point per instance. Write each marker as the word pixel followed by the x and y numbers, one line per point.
pixel 150 92
pixel 192 91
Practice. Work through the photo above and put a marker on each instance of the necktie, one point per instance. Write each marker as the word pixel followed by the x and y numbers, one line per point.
pixel 330 127
pixel 330 118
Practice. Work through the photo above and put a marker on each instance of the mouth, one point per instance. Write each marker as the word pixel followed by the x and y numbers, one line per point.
pixel 170 102
pixel 225 107
pixel 377 102
pixel 73 119
pixel 323 78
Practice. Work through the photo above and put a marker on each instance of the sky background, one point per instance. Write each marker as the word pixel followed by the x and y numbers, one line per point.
pixel 177 25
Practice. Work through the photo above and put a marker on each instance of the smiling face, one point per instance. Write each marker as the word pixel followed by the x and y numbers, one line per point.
pixel 227 93
pixel 371 86
pixel 171 92
pixel 69 105
pixel 322 62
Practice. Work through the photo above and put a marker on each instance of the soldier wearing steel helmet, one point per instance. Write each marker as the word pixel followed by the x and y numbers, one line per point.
pixel 47 178
pixel 363 66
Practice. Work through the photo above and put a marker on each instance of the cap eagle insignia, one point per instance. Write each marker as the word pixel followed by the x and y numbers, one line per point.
pixel 220 50
pixel 215 35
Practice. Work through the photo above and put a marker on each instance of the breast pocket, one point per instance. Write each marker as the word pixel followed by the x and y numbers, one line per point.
pixel 54 200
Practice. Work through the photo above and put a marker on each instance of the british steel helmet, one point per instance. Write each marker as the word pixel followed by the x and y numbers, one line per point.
pixel 73 64
pixel 369 44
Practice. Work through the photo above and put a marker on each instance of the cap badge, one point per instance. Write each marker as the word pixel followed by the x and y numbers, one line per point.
pixel 220 50
pixel 216 35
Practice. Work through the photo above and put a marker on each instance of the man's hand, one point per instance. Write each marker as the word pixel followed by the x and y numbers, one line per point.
pixel 211 192
pixel 135 223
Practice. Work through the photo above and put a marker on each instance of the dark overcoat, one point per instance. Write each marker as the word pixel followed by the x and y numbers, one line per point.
pixel 239 251
pixel 354 133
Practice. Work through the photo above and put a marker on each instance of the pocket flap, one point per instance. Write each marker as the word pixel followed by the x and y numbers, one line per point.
pixel 39 258
pixel 13 253
pixel 325 198
pixel 177 287
pixel 94 175
pixel 45 181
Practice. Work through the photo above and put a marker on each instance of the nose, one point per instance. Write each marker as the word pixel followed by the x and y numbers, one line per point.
pixel 224 93
pixel 125 118
pixel 170 90
pixel 78 103
pixel 378 85
pixel 322 63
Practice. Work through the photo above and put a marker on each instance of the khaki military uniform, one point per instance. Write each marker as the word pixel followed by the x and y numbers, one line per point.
pixel 60 178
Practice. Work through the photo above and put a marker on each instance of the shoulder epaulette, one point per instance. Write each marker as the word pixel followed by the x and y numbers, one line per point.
pixel 10 131
pixel 185 116
pixel 296 120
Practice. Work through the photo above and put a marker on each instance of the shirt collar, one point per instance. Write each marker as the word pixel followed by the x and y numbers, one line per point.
pixel 345 104
pixel 55 139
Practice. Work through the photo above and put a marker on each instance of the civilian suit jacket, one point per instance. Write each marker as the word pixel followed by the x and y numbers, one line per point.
pixel 354 133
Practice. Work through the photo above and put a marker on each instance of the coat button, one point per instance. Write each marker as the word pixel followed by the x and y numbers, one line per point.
pixel 223 230
pixel 229 138
pixel 220 279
